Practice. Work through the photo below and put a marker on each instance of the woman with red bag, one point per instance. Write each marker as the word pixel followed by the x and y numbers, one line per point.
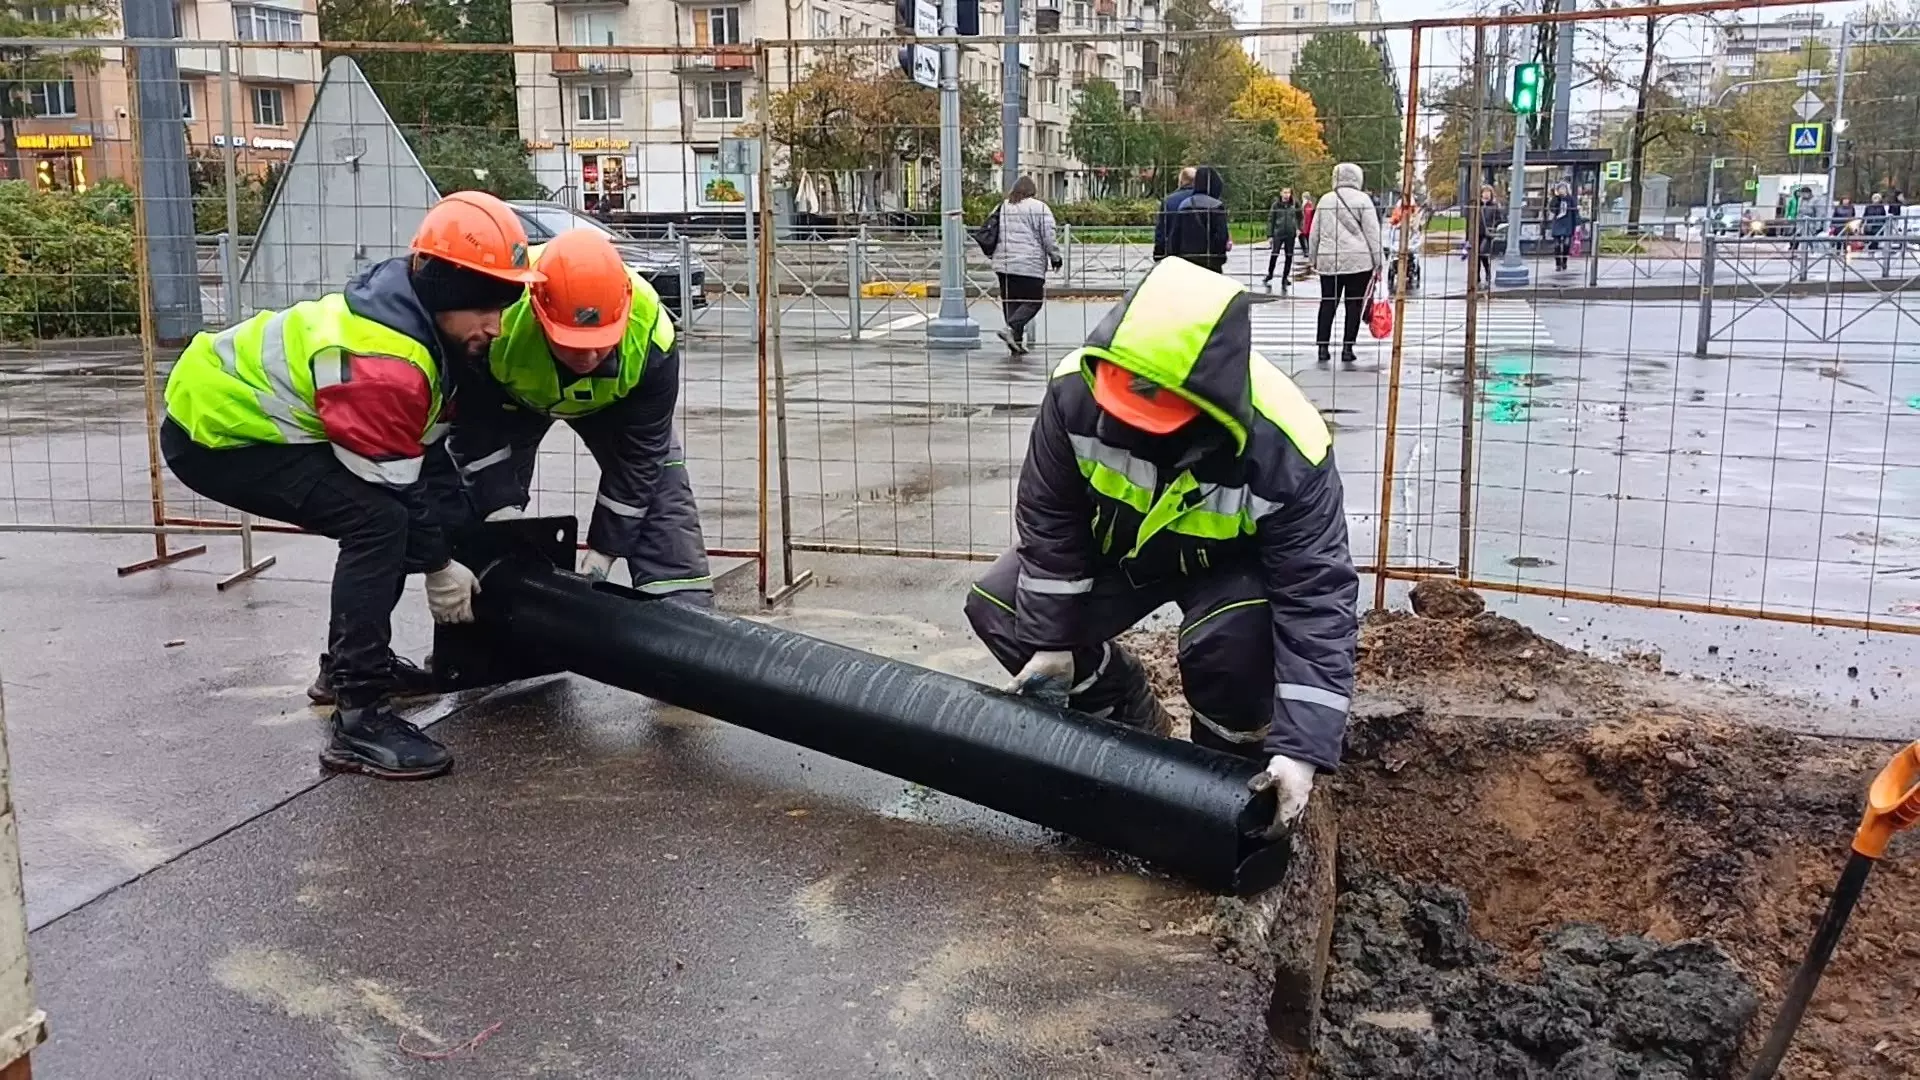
pixel 1346 252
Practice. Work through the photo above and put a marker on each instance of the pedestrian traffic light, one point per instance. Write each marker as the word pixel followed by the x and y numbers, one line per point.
pixel 1528 82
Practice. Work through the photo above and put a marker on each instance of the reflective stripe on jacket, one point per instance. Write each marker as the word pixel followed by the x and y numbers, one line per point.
pixel 258 382
pixel 1259 486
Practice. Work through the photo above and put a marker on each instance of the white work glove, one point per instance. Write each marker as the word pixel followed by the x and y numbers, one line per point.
pixel 508 513
pixel 450 593
pixel 1047 677
pixel 596 565
pixel 1291 781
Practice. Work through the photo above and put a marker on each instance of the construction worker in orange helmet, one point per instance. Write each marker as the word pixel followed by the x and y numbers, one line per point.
pixel 321 416
pixel 591 345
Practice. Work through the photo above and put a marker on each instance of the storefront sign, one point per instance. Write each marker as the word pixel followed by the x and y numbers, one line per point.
pixel 538 144
pixel 602 144
pixel 53 142
pixel 260 142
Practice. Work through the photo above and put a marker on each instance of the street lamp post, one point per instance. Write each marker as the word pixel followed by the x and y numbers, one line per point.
pixel 953 328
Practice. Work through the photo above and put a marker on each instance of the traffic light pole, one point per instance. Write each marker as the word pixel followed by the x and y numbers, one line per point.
pixel 1524 99
pixel 953 328
pixel 1010 98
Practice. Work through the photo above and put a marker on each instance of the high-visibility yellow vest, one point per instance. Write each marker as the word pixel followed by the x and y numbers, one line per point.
pixel 524 367
pixel 254 383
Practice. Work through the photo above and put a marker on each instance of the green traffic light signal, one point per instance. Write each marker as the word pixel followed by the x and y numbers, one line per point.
pixel 1528 82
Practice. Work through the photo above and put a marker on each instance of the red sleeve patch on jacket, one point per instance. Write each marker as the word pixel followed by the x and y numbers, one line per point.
pixel 377 408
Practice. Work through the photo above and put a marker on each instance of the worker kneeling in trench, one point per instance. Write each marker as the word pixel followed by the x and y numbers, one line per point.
pixel 1170 462
pixel 591 345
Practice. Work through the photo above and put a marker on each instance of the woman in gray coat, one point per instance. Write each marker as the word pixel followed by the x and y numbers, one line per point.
pixel 1021 261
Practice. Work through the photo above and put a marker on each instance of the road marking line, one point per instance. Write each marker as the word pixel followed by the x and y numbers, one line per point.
pixel 901 323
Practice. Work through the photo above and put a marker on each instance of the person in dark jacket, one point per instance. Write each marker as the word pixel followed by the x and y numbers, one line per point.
pixel 328 416
pixel 594 347
pixel 1492 215
pixel 1169 462
pixel 1563 219
pixel 1163 220
pixel 1197 231
pixel 1874 219
pixel 1283 231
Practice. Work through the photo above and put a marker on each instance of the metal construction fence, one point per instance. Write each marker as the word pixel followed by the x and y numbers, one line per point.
pixel 1647 405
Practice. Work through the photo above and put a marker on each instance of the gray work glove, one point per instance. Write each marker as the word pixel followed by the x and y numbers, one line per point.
pixel 1291 782
pixel 508 513
pixel 596 565
pixel 1047 677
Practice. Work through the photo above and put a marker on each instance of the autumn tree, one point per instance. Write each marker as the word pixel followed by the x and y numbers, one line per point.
pixel 1358 108
pixel 1285 113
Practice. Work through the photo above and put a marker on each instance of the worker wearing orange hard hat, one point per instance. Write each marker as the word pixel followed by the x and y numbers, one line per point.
pixel 593 346
pixel 1171 463
pixel 321 416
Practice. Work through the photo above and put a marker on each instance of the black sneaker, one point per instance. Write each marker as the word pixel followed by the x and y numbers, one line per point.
pixel 410 681
pixel 376 742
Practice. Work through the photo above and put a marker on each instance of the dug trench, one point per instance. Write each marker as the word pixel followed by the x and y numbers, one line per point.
pixel 1553 865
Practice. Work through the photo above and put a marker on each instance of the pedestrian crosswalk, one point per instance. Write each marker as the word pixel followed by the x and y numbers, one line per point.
pixel 1435 330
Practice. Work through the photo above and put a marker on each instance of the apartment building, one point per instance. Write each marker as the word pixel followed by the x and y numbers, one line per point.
pixel 81 132
pixel 1689 79
pixel 643 133
pixel 1744 41
pixel 1279 52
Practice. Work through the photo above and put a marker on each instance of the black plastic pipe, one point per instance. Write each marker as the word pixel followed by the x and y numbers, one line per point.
pixel 1179 806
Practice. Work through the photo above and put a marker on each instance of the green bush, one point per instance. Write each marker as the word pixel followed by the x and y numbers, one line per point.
pixel 66 262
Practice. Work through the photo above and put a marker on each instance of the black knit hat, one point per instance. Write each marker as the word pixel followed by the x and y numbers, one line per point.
pixel 443 286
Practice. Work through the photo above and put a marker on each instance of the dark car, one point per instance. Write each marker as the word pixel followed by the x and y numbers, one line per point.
pixel 544 221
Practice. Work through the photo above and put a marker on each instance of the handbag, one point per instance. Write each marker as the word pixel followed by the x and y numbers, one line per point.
pixel 987 235
pixel 1379 317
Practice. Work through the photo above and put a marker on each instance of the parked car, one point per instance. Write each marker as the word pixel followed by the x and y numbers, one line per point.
pixel 544 221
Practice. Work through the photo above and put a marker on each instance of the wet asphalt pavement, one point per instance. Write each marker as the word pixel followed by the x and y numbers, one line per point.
pixel 630 890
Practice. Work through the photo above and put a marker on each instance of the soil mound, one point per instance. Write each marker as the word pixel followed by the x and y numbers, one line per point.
pixel 1524 828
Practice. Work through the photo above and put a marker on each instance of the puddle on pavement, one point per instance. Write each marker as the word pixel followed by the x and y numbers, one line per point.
pixel 1530 562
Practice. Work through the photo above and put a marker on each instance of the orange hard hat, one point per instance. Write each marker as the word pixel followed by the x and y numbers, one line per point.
pixel 587 294
pixel 477 231
pixel 1139 402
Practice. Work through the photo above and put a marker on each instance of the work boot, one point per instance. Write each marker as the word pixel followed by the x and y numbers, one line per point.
pixel 1123 695
pixel 410 681
pixel 1326 354
pixel 375 741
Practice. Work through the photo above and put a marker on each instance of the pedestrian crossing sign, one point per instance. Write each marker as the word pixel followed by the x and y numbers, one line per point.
pixel 1616 170
pixel 1807 139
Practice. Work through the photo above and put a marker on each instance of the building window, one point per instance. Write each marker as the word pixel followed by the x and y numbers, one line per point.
pixel 846 26
pixel 595 28
pixel 186 101
pixel 1132 79
pixel 721 100
pixel 1340 11
pixel 821 27
pixel 1299 13
pixel 597 101
pixel 53 98
pixel 179 24
pixel 716 26
pixel 266 24
pixel 269 107
pixel 44 13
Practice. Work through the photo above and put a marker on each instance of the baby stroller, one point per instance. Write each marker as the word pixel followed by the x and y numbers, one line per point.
pixel 1390 240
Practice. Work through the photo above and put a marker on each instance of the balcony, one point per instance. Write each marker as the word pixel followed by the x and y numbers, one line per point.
pixel 1046 20
pixel 586 3
pixel 1047 69
pixel 1150 70
pixel 574 65
pixel 1133 24
pixel 710 63
pixel 254 64
pixel 1107 8
pixel 1080 79
pixel 1130 98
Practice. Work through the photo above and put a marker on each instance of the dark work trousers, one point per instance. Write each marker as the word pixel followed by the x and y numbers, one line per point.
pixel 1281 244
pixel 1352 288
pixel 306 486
pixel 1021 298
pixel 1226 644
pixel 670 556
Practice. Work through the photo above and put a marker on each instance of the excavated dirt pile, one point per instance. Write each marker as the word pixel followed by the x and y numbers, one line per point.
pixel 1557 866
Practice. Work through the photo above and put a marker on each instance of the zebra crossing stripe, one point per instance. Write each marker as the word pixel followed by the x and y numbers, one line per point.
pixel 1428 326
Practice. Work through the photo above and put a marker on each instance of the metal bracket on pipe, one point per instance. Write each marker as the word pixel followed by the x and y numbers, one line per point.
pixel 1182 807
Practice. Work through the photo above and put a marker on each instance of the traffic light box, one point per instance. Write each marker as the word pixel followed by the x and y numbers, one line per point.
pixel 1529 86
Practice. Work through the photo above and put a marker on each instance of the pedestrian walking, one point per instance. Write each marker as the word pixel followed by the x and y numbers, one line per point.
pixel 1169 206
pixel 1843 216
pixel 1874 219
pixel 1283 230
pixel 1021 261
pixel 1492 216
pixel 1346 253
pixel 1563 220
pixel 1197 231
